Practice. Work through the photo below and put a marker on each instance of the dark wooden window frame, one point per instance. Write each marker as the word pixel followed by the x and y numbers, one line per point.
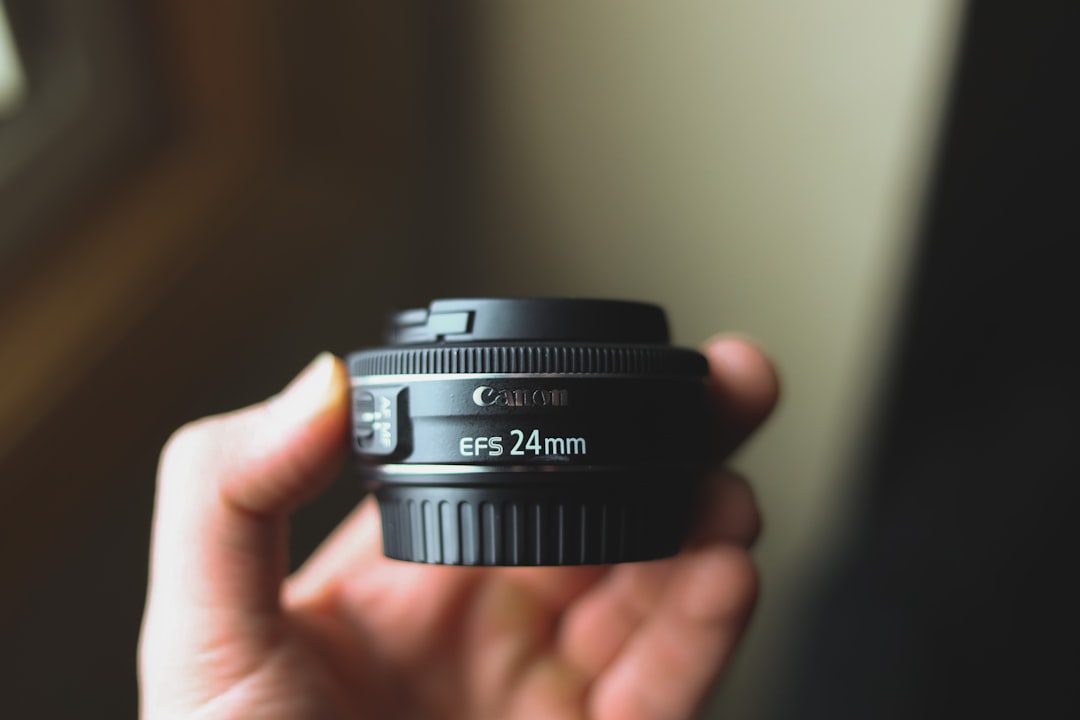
pixel 91 105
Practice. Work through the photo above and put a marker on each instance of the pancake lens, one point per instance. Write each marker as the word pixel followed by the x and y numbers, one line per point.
pixel 531 432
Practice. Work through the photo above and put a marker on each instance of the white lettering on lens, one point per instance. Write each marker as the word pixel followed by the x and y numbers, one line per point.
pixel 487 396
pixel 536 444
pixel 477 446
pixel 529 443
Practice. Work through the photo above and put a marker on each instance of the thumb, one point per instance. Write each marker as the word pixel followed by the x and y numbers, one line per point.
pixel 226 485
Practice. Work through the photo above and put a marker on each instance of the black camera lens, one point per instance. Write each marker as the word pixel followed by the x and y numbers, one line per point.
pixel 531 432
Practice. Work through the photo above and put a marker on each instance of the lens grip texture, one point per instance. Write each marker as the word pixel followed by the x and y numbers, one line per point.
pixel 554 524
pixel 528 358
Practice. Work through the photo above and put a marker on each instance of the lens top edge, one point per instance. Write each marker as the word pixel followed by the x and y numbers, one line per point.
pixel 456 320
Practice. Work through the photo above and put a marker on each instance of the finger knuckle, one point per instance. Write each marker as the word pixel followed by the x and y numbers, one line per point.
pixel 187 445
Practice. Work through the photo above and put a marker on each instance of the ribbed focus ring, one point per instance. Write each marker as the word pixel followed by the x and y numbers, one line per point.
pixel 425 526
pixel 530 358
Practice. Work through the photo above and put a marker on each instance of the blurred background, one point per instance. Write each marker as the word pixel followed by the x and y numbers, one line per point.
pixel 196 198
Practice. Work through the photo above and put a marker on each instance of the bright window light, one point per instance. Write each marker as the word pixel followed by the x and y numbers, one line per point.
pixel 12 79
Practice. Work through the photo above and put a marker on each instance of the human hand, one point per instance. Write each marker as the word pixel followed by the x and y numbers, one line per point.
pixel 354 635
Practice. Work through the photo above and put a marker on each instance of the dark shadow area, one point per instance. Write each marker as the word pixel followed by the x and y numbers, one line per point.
pixel 955 596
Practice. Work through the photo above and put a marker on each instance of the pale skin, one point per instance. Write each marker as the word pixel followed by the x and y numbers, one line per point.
pixel 228 634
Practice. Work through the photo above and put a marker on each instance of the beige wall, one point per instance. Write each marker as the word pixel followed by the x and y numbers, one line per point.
pixel 750 165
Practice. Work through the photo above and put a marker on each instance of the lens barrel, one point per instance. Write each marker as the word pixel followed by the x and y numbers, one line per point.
pixel 531 432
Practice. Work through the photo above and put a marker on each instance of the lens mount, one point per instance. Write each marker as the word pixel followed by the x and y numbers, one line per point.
pixel 530 432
